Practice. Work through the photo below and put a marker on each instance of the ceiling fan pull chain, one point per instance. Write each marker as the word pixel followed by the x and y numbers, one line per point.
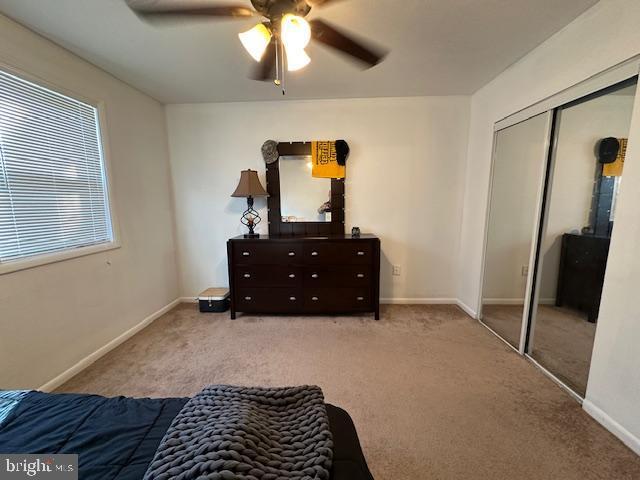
pixel 277 79
pixel 282 69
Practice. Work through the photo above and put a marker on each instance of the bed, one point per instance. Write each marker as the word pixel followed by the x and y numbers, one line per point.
pixel 116 438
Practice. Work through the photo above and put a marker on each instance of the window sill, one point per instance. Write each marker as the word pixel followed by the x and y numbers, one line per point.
pixel 39 260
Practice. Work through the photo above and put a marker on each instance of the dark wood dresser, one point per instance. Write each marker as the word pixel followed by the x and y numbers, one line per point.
pixel 583 261
pixel 305 275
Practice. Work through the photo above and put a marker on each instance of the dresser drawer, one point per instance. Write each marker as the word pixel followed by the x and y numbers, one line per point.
pixel 265 253
pixel 337 276
pixel 337 299
pixel 338 253
pixel 268 276
pixel 268 300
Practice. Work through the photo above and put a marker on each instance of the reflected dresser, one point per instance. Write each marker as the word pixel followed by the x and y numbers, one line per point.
pixel 334 274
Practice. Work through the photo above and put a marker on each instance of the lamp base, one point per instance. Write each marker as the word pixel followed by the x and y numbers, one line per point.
pixel 251 235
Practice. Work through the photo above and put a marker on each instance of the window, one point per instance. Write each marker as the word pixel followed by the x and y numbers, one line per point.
pixel 53 190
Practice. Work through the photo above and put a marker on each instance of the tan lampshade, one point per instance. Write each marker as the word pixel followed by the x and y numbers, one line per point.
pixel 249 185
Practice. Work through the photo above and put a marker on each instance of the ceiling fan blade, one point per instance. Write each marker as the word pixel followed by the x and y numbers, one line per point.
pixel 265 70
pixel 344 43
pixel 155 9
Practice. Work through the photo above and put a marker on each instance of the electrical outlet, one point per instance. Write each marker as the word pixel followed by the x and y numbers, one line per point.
pixel 397 270
pixel 525 270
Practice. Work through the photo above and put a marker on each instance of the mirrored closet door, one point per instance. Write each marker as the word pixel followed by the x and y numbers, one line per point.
pixel 552 204
pixel 520 153
pixel 586 171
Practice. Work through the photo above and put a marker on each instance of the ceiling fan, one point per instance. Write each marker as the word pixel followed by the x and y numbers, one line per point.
pixel 279 40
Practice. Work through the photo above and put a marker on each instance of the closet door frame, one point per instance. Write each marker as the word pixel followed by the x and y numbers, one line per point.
pixel 594 85
pixel 543 220
pixel 544 152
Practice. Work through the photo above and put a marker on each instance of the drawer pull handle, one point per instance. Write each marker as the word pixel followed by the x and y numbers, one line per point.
pixel 245 254
pixel 360 275
pixel 360 299
pixel 360 253
pixel 293 299
pixel 292 275
pixel 315 275
pixel 292 254
pixel 247 275
pixel 248 299
pixel 314 254
pixel 315 299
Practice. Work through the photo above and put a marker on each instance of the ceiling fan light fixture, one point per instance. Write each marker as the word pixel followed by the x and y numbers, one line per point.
pixel 256 41
pixel 297 59
pixel 295 32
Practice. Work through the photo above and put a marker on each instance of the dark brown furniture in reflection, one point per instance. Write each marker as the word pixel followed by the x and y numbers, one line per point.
pixel 583 261
pixel 305 275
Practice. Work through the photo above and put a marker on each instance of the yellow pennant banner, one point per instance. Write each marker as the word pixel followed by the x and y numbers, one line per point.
pixel 325 161
pixel 615 169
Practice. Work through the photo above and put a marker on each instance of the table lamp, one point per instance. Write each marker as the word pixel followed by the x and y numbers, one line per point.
pixel 249 187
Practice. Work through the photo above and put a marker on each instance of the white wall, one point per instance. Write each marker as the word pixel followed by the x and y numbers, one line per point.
pixel 613 391
pixel 604 36
pixel 53 316
pixel 404 180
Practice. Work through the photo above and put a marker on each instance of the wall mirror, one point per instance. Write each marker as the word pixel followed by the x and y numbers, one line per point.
pixel 303 198
pixel 585 175
pixel 518 170
pixel 300 204
pixel 552 208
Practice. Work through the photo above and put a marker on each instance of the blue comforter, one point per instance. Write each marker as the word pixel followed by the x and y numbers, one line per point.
pixel 116 437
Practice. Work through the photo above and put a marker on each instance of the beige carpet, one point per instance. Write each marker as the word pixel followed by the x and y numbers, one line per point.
pixel 433 393
pixel 562 339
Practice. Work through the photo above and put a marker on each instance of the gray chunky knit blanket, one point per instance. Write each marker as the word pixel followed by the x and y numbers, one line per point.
pixel 236 433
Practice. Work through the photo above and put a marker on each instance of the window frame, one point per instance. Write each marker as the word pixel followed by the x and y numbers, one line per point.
pixel 54 257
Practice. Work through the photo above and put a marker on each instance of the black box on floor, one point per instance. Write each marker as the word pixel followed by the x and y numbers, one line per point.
pixel 214 300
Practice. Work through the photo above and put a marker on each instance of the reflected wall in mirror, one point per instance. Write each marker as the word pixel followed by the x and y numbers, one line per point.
pixel 303 198
pixel 518 169
pixel 576 230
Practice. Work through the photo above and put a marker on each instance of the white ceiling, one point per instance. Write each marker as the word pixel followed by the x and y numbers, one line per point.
pixel 438 47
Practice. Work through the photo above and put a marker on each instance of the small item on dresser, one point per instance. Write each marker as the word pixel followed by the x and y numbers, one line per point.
pixel 355 232
pixel 249 187
pixel 214 300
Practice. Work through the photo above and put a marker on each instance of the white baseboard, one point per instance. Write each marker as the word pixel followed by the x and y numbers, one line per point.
pixel 629 439
pixel 515 301
pixel 88 360
pixel 418 301
pixel 467 309
pixel 503 301
pixel 188 299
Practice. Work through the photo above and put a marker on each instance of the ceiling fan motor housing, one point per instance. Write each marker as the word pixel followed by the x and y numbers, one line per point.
pixel 275 9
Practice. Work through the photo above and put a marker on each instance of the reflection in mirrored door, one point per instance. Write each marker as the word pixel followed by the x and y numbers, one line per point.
pixel 586 171
pixel 520 153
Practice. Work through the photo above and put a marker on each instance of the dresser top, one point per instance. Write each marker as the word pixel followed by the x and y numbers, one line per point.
pixel 302 238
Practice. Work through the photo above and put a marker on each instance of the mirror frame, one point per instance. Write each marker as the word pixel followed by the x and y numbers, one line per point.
pixel 276 225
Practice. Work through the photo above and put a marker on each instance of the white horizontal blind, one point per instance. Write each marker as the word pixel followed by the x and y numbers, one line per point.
pixel 53 193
